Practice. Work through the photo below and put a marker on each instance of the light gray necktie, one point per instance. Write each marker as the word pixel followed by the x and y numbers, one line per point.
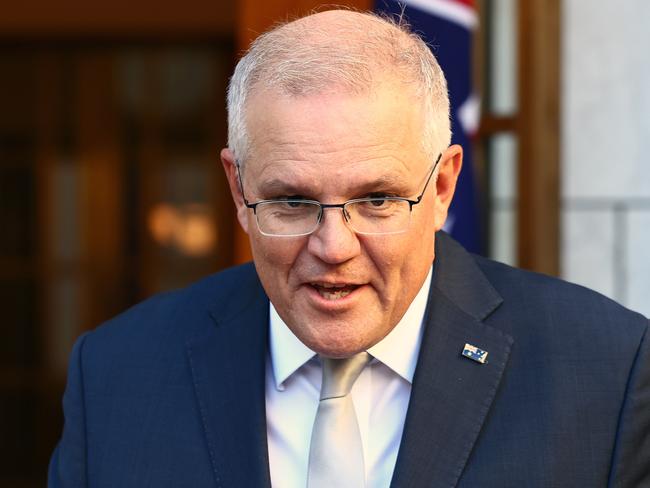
pixel 336 453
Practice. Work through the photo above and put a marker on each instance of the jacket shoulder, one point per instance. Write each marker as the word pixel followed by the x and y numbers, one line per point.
pixel 181 312
pixel 571 309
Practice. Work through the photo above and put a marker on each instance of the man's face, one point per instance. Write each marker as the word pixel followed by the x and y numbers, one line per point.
pixel 333 148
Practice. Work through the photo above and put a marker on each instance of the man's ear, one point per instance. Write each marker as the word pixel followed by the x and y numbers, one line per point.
pixel 230 167
pixel 450 164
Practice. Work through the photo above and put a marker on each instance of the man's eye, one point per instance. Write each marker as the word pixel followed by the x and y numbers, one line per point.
pixel 293 201
pixel 378 199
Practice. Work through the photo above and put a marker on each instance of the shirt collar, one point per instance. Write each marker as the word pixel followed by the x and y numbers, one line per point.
pixel 399 350
pixel 288 353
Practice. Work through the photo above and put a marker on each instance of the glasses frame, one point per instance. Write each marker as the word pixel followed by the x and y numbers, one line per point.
pixel 321 206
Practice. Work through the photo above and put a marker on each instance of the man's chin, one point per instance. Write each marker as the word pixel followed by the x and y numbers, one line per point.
pixel 337 350
pixel 339 339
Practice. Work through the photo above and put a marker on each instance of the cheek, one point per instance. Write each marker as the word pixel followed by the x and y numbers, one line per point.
pixel 402 261
pixel 389 254
pixel 276 252
pixel 402 250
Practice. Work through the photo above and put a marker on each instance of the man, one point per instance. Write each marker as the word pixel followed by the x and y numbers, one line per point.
pixel 465 372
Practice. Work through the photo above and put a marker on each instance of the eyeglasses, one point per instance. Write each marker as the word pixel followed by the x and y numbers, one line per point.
pixel 300 217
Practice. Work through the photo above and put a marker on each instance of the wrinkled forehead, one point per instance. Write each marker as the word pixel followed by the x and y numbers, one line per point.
pixel 384 90
pixel 384 115
pixel 331 139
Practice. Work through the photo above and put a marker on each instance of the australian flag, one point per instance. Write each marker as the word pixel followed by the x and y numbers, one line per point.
pixel 447 26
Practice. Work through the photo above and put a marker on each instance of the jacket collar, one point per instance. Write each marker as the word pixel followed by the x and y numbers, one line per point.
pixel 451 394
pixel 227 362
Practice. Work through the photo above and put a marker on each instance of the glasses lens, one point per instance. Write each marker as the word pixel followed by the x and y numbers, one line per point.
pixel 287 218
pixel 379 215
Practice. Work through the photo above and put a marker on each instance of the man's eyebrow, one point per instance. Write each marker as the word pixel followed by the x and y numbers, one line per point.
pixel 392 182
pixel 277 186
pixel 386 181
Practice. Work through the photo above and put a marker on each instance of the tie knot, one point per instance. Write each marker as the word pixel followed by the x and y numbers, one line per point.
pixel 340 374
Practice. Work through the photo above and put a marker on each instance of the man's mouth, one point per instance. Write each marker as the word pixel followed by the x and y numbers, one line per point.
pixel 330 291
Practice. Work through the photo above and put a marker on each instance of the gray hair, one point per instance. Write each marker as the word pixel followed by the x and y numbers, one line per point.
pixel 307 57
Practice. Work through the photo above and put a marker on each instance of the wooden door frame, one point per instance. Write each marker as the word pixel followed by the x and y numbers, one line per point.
pixel 538 126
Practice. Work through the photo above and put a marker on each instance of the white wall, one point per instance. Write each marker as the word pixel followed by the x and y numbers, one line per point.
pixel 606 148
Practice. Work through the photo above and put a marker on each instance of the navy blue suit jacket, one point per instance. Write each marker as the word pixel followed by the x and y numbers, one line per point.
pixel 171 393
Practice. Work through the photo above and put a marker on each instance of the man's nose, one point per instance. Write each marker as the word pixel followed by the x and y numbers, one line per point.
pixel 334 241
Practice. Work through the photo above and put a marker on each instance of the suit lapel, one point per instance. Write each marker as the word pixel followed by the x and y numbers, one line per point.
pixel 451 394
pixel 228 371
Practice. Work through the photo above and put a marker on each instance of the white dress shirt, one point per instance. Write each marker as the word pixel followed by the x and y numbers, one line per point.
pixel 380 397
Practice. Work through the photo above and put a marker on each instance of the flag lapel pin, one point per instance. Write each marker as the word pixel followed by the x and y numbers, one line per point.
pixel 475 354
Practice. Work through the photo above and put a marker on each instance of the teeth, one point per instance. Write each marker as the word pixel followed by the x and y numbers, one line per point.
pixel 327 285
pixel 333 295
pixel 331 291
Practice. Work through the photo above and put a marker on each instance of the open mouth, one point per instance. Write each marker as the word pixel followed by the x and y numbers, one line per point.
pixel 333 291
